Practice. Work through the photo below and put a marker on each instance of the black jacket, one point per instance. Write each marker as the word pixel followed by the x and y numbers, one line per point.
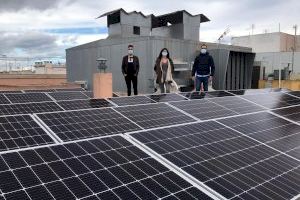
pixel 136 65
pixel 204 65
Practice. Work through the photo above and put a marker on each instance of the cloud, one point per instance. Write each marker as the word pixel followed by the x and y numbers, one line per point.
pixel 36 27
pixel 16 5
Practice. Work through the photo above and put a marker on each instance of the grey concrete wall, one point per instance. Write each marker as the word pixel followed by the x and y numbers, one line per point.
pixel 81 60
pixel 125 27
pixel 272 61
pixel 191 27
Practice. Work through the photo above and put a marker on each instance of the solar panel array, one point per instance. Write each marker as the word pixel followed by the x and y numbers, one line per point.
pixel 63 144
pixel 74 125
pixel 21 131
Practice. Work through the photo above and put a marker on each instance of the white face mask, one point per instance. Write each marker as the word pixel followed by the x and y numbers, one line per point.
pixel 130 51
pixel 203 51
pixel 164 53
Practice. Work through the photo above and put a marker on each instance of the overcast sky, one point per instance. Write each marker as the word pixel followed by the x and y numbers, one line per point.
pixel 33 28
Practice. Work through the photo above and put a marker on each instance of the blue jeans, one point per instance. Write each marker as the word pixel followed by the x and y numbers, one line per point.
pixel 203 80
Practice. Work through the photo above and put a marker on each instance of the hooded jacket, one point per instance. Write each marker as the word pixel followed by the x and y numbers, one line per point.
pixel 203 65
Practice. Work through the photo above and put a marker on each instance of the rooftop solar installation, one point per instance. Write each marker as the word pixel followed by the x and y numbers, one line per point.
pixel 28 97
pixel 39 90
pixel 150 146
pixel 203 109
pixel 273 100
pixel 154 115
pixel 269 129
pixel 237 104
pixel 3 99
pixel 10 91
pixel 88 94
pixel 232 164
pixel 202 95
pixel 256 91
pixel 60 96
pixel 132 100
pixel 84 104
pixel 167 97
pixel 68 89
pixel 292 113
pixel 74 125
pixel 108 168
pixel 294 93
pixel 21 131
pixel 29 108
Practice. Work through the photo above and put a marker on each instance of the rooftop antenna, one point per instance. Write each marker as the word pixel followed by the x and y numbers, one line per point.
pixel 227 30
pixel 252 28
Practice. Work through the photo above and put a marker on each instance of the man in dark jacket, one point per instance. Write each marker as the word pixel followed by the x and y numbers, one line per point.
pixel 130 70
pixel 203 69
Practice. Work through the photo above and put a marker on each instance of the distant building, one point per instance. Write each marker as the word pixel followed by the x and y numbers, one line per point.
pixel 178 31
pixel 273 51
pixel 47 67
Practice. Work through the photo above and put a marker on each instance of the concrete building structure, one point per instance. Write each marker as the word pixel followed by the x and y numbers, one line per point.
pixel 273 51
pixel 178 31
pixel 47 67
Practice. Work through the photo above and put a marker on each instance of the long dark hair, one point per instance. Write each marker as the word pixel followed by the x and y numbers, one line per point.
pixel 160 54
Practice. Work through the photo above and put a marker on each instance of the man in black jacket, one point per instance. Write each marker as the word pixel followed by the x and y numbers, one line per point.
pixel 130 70
pixel 203 69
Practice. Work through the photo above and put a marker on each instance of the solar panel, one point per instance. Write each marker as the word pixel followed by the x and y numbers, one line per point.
pixel 10 91
pixel 257 91
pixel 237 104
pixel 292 113
pixel 232 164
pixel 84 104
pixel 269 129
pixel 60 96
pixel 68 89
pixel 166 97
pixel 21 131
pixel 295 93
pixel 26 108
pixel 202 95
pixel 3 99
pixel 28 97
pixel 273 100
pixel 203 109
pixel 108 168
pixel 73 125
pixel 88 94
pixel 132 100
pixel 154 115
pixel 39 90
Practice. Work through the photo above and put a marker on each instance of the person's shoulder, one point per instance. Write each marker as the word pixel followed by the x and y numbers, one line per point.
pixel 125 57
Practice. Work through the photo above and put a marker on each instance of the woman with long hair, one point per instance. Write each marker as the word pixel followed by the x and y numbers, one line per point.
pixel 164 69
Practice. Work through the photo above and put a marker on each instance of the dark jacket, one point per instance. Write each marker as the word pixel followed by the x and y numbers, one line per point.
pixel 136 65
pixel 204 65
pixel 158 71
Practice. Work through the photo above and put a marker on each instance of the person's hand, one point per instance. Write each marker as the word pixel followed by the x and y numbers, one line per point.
pixel 210 79
pixel 125 75
pixel 193 78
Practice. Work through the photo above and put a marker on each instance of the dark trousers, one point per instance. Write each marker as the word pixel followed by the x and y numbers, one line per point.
pixel 203 80
pixel 131 78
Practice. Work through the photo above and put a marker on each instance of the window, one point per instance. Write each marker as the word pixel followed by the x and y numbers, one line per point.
pixel 136 30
